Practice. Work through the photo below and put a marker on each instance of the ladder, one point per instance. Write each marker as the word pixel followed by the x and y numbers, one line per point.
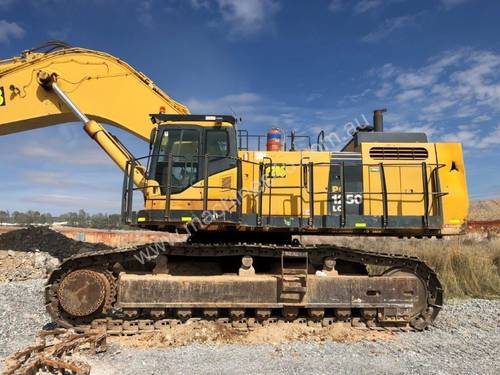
pixel 294 266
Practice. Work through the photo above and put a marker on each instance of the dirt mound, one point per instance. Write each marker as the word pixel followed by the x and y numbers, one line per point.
pixel 46 240
pixel 485 210
pixel 204 332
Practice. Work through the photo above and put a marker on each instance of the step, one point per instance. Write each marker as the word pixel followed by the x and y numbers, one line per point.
pixel 294 254
pixel 294 278
pixel 294 271
pixel 294 289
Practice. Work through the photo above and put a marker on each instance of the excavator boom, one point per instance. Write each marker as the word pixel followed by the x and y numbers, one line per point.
pixel 40 89
pixel 104 87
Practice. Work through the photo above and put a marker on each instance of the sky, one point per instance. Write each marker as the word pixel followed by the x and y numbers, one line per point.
pixel 297 64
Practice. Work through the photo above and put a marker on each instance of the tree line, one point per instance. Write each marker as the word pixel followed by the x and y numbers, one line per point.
pixel 73 219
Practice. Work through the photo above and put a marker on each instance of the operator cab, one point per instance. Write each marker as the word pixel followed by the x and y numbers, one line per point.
pixel 197 145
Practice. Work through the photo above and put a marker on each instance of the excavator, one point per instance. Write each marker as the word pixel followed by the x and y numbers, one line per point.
pixel 246 202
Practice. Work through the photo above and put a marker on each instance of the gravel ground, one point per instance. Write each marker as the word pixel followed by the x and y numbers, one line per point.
pixel 465 340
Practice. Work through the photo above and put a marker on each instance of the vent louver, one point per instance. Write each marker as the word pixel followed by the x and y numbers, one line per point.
pixel 398 153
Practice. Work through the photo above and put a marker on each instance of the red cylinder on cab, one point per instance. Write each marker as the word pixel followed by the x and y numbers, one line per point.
pixel 274 139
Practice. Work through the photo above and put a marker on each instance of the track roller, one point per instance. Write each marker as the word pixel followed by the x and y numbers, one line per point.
pixel 210 313
pixel 343 314
pixel 184 314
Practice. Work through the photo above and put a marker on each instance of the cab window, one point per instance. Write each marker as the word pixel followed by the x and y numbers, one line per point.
pixel 217 143
pixel 184 147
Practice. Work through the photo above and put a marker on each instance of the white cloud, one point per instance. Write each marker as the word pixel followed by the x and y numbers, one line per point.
pixel 472 137
pixel 464 135
pixel 360 6
pixel 312 97
pixel 243 18
pixel 10 30
pixel 430 73
pixel 462 79
pixel 438 106
pixel 456 86
pixel 481 118
pixel 410 95
pixel 366 5
pixel 356 97
pixel 400 125
pixel 247 17
pixel 388 27
pixel 49 178
pixel 55 152
pixel 491 139
pixel 144 12
pixel 335 5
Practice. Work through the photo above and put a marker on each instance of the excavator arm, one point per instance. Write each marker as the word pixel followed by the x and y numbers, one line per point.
pixel 40 89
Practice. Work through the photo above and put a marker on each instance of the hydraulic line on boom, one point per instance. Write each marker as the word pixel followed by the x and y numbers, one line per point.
pixel 103 138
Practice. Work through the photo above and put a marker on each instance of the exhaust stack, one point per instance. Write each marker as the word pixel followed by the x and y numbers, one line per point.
pixel 378 120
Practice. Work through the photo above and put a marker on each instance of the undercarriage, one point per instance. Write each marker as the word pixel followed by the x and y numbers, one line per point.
pixel 156 286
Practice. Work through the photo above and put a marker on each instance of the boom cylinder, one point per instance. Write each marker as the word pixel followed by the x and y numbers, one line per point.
pixel 102 137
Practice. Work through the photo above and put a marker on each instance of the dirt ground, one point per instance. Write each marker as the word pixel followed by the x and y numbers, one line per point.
pixel 213 333
pixel 465 339
pixel 22 265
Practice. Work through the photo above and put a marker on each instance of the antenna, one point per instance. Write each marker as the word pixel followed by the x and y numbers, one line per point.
pixel 235 115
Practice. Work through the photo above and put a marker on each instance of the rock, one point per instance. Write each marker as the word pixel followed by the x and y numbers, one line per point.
pixel 51 264
pixel 39 260
pixel 11 253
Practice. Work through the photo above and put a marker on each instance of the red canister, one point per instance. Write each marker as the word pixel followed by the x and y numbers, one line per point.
pixel 274 139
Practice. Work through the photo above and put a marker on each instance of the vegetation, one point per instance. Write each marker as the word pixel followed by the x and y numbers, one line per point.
pixel 74 219
pixel 466 266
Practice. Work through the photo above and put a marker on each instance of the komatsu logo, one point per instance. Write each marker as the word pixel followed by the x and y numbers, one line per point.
pixel 2 97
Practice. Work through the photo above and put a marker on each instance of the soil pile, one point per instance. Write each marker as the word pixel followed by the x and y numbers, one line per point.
pixel 485 210
pixel 207 332
pixel 46 240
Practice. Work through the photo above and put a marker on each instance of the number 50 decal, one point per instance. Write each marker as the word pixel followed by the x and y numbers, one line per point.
pixel 2 97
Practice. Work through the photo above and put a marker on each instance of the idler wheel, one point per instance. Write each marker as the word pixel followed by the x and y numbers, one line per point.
pixel 419 311
pixel 83 292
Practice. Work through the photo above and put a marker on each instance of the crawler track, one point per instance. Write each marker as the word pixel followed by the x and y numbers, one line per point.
pixel 113 319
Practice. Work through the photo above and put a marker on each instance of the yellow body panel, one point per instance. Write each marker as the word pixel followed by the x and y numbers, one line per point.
pixel 287 192
pixel 453 181
pixel 404 182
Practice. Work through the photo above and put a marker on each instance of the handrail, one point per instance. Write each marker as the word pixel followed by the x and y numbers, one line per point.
pixel 265 166
pixel 383 186
pixel 343 194
pixel 426 194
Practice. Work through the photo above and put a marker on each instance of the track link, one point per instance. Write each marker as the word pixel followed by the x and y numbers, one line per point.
pixel 115 322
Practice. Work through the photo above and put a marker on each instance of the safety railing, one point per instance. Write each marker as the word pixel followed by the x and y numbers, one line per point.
pixel 308 194
pixel 247 141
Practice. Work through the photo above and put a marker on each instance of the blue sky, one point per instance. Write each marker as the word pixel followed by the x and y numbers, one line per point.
pixel 303 65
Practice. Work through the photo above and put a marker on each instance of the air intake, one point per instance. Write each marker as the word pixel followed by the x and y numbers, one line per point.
pixel 398 153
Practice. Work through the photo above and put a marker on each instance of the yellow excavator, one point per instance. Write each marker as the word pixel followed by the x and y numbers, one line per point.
pixel 245 200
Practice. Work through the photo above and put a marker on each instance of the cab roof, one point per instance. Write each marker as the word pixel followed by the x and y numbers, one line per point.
pixel 162 118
